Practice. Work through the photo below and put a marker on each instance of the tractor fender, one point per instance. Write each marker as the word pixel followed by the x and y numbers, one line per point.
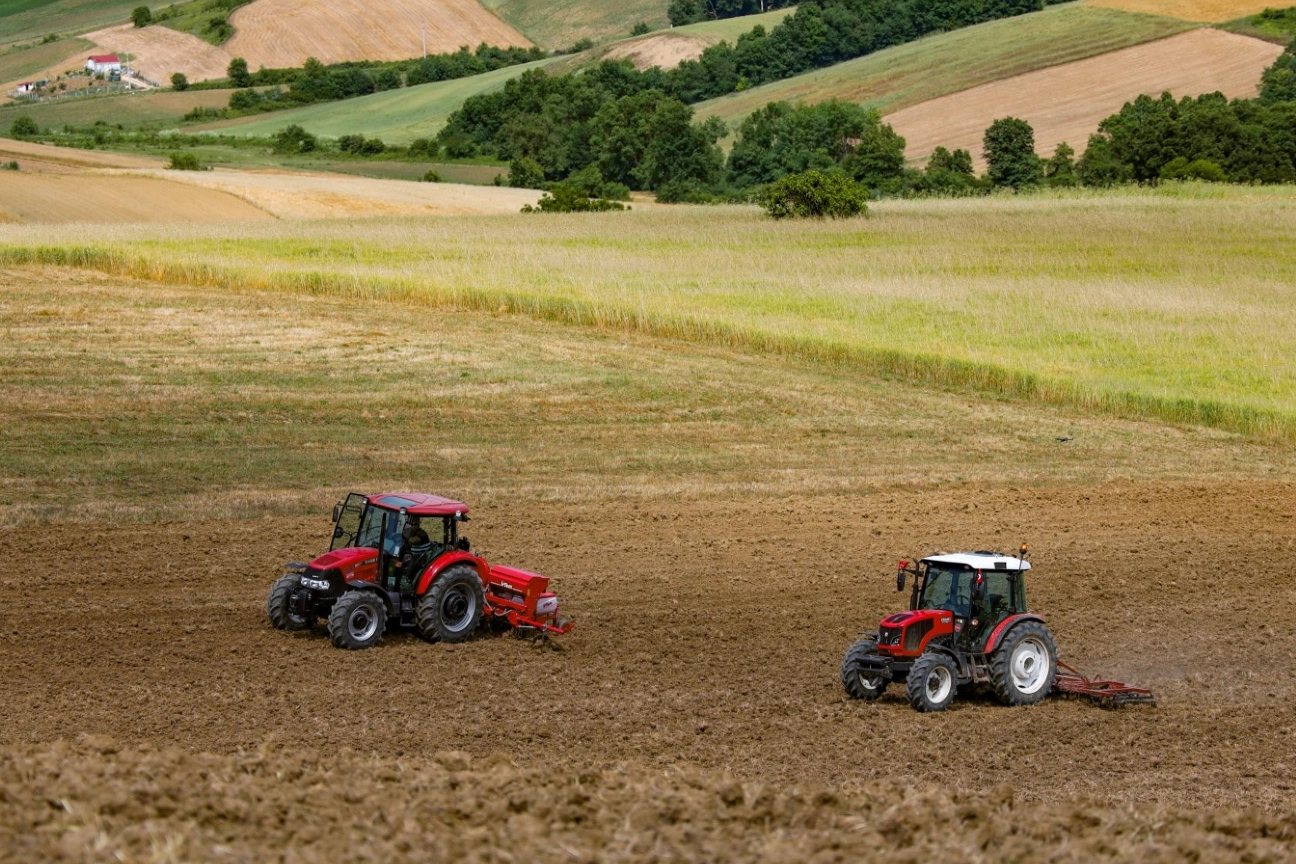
pixel 445 561
pixel 1001 630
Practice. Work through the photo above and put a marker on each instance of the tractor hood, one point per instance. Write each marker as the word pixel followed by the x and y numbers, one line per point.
pixel 900 619
pixel 345 559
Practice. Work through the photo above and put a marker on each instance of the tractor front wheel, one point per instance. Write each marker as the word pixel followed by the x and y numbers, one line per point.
pixel 452 608
pixel 1025 664
pixel 932 681
pixel 859 673
pixel 279 605
pixel 357 620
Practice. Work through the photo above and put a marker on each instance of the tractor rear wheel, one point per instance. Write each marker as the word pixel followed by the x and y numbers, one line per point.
pixel 1024 666
pixel 452 608
pixel 357 620
pixel 933 678
pixel 860 677
pixel 279 605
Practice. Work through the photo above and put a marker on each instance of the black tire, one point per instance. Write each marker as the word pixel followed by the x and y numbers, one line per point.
pixel 933 678
pixel 278 605
pixel 452 608
pixel 1024 666
pixel 357 621
pixel 860 681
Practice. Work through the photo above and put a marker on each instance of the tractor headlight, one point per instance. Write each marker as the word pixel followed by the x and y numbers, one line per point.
pixel 315 584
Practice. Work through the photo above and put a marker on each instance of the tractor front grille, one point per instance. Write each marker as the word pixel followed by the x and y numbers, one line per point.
pixel 889 636
pixel 914 635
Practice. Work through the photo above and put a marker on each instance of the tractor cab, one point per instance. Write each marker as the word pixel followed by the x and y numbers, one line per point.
pixel 408 530
pixel 979 589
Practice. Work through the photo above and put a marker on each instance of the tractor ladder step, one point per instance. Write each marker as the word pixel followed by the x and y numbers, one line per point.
pixel 1102 690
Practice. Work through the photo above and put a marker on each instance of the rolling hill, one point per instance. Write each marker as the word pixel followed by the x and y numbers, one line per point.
pixel 909 74
pixel 33 19
pixel 557 24
pixel 1189 64
pixel 1206 11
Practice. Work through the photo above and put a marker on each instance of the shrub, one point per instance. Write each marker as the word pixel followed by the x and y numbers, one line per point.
pixel 23 126
pixel 141 16
pixel 423 148
pixel 244 100
pixel 179 81
pixel 525 173
pixel 11 166
pixel 294 139
pixel 569 198
pixel 640 28
pixel 815 194
pixel 184 162
pixel 1180 168
pixel 431 177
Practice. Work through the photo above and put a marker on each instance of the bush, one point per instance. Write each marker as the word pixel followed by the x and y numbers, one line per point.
pixel 431 177
pixel 11 166
pixel 294 139
pixel 640 28
pixel 423 148
pixel 525 173
pixel 569 198
pixel 179 82
pixel 184 162
pixel 238 74
pixel 815 194
pixel 141 16
pixel 1180 168
pixel 23 126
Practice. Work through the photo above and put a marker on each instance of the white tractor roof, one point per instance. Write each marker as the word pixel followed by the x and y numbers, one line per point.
pixel 980 561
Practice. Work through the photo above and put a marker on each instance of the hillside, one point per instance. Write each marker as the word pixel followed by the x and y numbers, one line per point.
pixel 668 48
pixel 1208 11
pixel 396 116
pixel 159 52
pixel 280 33
pixel 947 63
pixel 557 24
pixel 34 19
pixel 1189 64
pixel 133 111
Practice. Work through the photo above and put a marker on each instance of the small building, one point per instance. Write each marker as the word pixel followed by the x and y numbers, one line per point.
pixel 26 87
pixel 103 63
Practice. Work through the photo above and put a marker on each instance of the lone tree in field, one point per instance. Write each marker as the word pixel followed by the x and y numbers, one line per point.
pixel 179 81
pixel 141 16
pixel 1010 153
pixel 238 73
pixel 23 126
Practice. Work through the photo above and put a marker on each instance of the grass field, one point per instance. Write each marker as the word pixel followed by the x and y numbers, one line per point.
pixel 22 61
pixel 1175 304
pixel 557 25
pixel 27 19
pixel 151 108
pixel 950 62
pixel 396 116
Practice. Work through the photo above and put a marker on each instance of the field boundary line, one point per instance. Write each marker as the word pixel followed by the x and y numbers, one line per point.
pixel 910 367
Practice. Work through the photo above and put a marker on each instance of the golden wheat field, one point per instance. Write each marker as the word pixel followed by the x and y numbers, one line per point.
pixel 1066 103
pixel 279 33
pixel 1210 11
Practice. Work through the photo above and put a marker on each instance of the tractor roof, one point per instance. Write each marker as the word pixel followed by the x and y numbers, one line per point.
pixel 980 561
pixel 419 503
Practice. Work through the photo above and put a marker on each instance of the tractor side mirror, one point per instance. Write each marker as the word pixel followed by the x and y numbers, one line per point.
pixel 337 531
pixel 900 576
pixel 337 512
pixel 978 589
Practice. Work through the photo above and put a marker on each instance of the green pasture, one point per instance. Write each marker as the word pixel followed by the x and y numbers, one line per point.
pixel 557 24
pixel 1177 303
pixel 396 116
pixel 908 74
pixel 27 19
pixel 23 60
pixel 133 111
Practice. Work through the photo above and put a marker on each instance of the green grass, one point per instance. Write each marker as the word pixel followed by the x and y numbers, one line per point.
pixel 22 61
pixel 556 24
pixel 137 110
pixel 1273 25
pixel 125 400
pixel 194 17
pixel 396 116
pixel 1177 304
pixel 27 19
pixel 908 74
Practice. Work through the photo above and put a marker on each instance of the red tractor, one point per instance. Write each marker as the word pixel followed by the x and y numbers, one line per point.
pixel 384 565
pixel 967 624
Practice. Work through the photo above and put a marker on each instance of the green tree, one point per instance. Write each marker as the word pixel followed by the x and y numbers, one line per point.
pixel 238 74
pixel 1060 169
pixel 141 16
pixel 640 28
pixel 525 173
pixel 23 126
pixel 1278 83
pixel 179 81
pixel 1010 153
pixel 815 194
pixel 294 139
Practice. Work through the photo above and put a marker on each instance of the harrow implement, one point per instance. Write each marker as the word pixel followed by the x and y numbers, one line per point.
pixel 1102 690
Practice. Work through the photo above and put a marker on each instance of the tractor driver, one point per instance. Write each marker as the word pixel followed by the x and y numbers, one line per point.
pixel 418 539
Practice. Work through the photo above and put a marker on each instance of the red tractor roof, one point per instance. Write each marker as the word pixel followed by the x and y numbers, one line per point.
pixel 419 503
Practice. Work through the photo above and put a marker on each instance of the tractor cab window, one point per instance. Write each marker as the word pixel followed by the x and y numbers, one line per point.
pixel 348 524
pixel 998 595
pixel 948 589
pixel 371 527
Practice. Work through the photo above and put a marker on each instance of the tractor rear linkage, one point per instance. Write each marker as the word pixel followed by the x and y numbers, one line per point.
pixel 1101 690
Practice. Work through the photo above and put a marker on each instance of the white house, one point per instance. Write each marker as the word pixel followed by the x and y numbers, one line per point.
pixel 103 63
pixel 26 87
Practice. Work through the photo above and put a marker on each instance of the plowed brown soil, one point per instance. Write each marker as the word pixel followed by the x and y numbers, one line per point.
pixel 695 712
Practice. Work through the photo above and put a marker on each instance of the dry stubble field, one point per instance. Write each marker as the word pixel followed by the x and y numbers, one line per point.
pixel 719 523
